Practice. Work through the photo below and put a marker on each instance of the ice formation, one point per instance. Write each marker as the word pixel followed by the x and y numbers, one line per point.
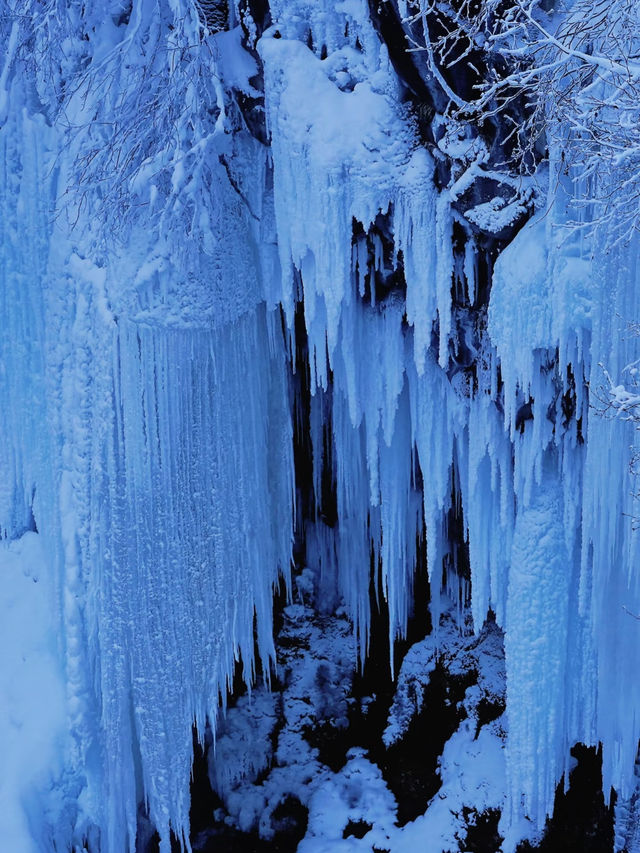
pixel 154 254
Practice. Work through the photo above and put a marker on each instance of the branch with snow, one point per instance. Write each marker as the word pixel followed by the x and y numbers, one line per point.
pixel 624 402
pixel 568 74
pixel 136 88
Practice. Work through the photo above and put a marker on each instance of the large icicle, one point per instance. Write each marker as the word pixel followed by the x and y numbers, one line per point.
pixel 146 411
pixel 536 638
pixel 184 544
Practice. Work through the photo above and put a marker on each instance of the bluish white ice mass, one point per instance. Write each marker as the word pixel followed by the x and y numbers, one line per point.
pixel 202 208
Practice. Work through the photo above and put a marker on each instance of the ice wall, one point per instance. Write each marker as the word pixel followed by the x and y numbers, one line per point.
pixel 146 406
pixel 147 435
pixel 494 410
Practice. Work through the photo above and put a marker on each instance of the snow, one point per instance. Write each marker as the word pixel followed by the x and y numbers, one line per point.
pixel 495 214
pixel 358 793
pixel 32 697
pixel 472 766
pixel 256 737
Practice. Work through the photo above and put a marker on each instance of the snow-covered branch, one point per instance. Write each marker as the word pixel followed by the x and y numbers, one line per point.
pixel 567 74
pixel 136 88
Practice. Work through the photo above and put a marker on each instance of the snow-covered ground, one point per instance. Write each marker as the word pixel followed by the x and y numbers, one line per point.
pixel 304 741
pixel 33 721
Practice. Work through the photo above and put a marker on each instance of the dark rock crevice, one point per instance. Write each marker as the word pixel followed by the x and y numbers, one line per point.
pixel 581 822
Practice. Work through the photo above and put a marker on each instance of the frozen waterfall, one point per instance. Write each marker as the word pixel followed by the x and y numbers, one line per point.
pixel 174 192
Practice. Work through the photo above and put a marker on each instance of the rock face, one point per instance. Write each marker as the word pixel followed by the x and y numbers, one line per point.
pixel 280 321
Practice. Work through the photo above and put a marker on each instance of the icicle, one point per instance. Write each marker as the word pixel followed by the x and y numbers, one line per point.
pixel 414 225
pixel 444 274
pixel 535 648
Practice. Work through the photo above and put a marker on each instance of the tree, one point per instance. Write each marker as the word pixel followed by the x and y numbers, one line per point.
pixel 564 76
pixel 135 88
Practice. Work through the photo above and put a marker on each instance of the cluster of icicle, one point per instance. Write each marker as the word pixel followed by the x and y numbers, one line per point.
pixel 547 501
pixel 147 434
pixel 145 413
